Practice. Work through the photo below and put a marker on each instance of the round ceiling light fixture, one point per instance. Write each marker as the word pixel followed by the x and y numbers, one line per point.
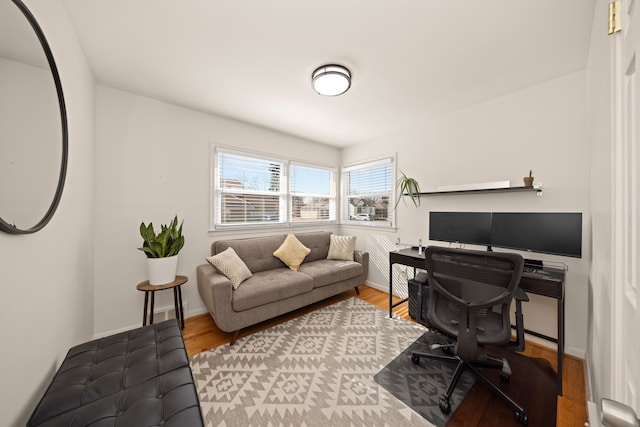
pixel 331 80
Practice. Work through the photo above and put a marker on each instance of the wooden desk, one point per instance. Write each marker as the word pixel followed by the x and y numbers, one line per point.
pixel 547 282
pixel 177 297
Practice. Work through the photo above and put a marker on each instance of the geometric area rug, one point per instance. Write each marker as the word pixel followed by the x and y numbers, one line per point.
pixel 315 370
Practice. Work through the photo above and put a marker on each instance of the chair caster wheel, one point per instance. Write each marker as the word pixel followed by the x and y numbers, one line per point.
pixel 445 406
pixel 522 417
pixel 505 377
pixel 415 359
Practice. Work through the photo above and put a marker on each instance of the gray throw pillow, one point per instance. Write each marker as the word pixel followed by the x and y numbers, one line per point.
pixel 231 265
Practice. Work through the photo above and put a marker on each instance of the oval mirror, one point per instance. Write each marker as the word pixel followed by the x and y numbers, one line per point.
pixel 33 123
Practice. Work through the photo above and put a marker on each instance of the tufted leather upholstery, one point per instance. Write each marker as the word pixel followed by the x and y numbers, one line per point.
pixel 136 378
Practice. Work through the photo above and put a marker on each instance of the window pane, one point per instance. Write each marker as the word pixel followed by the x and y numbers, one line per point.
pixel 369 191
pixel 310 181
pixel 248 189
pixel 243 208
pixel 248 173
pixel 311 194
pixel 311 208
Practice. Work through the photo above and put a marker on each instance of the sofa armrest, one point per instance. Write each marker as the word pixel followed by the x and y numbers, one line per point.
pixel 362 257
pixel 216 293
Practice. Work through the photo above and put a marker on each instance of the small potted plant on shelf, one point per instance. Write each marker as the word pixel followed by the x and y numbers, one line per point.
pixel 162 251
pixel 528 180
pixel 408 187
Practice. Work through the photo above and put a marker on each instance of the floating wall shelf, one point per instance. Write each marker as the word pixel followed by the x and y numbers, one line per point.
pixel 538 191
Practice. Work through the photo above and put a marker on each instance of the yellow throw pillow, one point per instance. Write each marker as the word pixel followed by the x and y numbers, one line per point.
pixel 292 252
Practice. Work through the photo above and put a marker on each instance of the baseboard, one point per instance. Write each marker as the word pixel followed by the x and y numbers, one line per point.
pixel 593 415
pixel 160 314
pixel 383 288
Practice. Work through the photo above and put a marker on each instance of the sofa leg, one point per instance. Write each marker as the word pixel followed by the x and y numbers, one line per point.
pixel 357 290
pixel 234 337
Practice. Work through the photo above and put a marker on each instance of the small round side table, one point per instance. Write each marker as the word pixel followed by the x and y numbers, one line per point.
pixel 177 297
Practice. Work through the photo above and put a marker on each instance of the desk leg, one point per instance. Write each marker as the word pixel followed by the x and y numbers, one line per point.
pixel 390 291
pixel 144 310
pixel 153 296
pixel 560 343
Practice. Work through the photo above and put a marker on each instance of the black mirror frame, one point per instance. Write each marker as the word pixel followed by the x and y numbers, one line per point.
pixel 12 229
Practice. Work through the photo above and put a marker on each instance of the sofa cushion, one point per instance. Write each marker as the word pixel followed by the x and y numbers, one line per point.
pixel 229 263
pixel 327 271
pixel 318 242
pixel 292 252
pixel 265 287
pixel 256 252
pixel 342 247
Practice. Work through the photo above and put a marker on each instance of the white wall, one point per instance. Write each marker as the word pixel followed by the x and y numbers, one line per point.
pixel 599 347
pixel 539 128
pixel 152 163
pixel 47 276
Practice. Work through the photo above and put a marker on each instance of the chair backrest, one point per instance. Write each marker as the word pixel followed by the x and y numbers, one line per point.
pixel 470 294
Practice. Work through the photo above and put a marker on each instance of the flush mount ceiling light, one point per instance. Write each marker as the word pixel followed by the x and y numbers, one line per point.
pixel 331 80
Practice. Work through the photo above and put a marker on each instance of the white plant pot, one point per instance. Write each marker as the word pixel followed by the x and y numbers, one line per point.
pixel 162 270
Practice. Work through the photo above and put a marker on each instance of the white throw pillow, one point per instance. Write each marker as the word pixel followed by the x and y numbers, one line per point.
pixel 231 265
pixel 292 252
pixel 342 247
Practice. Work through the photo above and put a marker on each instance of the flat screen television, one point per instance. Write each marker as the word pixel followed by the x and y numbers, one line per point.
pixel 460 227
pixel 556 233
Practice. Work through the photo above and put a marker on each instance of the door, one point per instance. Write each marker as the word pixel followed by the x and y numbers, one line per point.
pixel 626 196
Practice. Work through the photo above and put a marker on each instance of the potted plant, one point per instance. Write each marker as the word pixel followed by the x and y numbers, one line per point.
pixel 408 187
pixel 528 180
pixel 162 251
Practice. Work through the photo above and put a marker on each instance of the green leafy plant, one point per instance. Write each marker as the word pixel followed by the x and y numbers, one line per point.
pixel 408 187
pixel 530 173
pixel 166 243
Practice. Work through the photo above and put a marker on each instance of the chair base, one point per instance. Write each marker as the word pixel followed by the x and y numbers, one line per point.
pixel 474 367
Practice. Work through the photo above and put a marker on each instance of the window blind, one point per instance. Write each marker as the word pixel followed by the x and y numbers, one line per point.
pixel 368 193
pixel 312 194
pixel 249 189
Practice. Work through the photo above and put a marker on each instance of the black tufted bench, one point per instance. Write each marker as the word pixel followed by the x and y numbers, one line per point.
pixel 136 378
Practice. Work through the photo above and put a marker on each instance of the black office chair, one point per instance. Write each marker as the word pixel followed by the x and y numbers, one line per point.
pixel 470 294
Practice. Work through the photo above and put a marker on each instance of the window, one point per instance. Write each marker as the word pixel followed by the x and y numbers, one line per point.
pixel 368 193
pixel 312 193
pixel 253 190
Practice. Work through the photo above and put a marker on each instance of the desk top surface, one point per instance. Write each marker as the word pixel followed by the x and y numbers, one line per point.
pixel 541 273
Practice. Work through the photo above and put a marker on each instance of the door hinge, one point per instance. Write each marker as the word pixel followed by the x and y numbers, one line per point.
pixel 615 24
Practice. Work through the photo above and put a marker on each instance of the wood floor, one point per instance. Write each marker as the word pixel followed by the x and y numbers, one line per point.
pixel 201 334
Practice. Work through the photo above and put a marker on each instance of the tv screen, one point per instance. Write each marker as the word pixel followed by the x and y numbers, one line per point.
pixel 557 233
pixel 461 227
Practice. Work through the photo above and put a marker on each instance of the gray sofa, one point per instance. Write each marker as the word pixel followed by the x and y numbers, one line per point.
pixel 274 289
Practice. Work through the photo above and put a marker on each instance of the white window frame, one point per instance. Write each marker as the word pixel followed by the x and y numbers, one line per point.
pixel 345 214
pixel 286 198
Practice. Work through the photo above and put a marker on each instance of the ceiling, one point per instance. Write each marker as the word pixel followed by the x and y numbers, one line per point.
pixel 251 60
